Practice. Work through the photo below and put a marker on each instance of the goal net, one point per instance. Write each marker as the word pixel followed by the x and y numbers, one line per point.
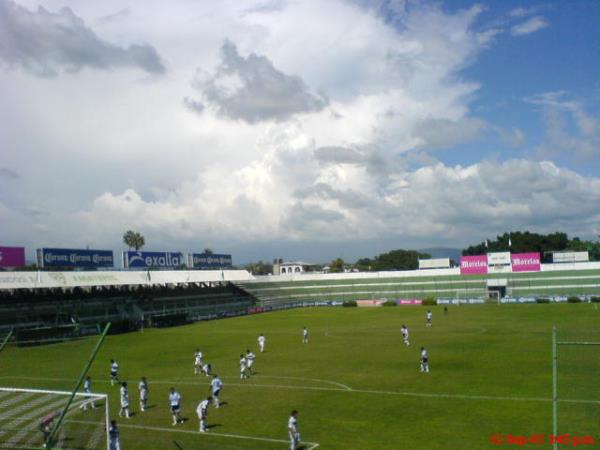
pixel 577 402
pixel 27 416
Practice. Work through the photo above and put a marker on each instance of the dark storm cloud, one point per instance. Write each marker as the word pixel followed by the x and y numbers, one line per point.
pixel 253 90
pixel 46 43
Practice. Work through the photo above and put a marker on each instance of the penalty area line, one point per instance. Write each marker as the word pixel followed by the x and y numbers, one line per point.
pixel 197 433
pixel 357 391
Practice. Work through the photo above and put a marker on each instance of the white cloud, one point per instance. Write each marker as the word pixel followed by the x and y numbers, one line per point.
pixel 111 153
pixel 529 26
pixel 570 130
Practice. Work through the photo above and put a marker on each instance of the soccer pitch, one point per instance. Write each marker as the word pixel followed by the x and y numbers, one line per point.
pixel 355 384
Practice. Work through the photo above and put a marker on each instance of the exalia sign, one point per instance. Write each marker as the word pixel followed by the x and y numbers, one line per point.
pixel 147 260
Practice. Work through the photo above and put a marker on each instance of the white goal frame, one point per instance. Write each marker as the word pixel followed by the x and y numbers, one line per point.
pixel 89 396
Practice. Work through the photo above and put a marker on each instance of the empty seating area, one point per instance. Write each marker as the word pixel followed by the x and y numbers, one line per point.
pixel 36 308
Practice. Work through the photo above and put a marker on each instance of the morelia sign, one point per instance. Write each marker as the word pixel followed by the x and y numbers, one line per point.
pixel 526 262
pixel 470 265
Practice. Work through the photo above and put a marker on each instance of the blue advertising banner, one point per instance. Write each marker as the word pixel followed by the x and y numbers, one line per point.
pixel 145 260
pixel 209 261
pixel 69 257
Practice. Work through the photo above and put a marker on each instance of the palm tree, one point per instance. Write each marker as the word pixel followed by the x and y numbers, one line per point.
pixel 134 239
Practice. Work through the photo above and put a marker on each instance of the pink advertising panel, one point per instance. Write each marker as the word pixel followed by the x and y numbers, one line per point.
pixel 12 256
pixel 525 262
pixel 409 301
pixel 473 264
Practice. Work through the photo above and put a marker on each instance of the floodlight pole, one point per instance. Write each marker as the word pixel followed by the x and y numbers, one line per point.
pixel 50 439
pixel 554 388
pixel 5 341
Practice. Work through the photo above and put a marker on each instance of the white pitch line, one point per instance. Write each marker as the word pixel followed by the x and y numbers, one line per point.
pixel 318 380
pixel 359 391
pixel 210 433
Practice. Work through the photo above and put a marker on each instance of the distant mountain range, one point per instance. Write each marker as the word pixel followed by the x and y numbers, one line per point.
pixel 442 252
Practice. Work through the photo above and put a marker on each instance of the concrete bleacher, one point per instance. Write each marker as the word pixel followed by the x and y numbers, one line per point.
pixel 446 283
pixel 54 299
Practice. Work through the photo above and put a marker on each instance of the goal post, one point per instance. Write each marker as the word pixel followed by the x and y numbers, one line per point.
pixel 27 417
pixel 579 352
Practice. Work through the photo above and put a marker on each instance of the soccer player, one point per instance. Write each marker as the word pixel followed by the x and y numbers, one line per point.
pixel 404 331
pixel 144 391
pixel 243 367
pixel 206 368
pixel 250 360
pixel 293 430
pixel 46 424
pixel 202 411
pixel 197 362
pixel 124 400
pixel 216 385
pixel 428 318
pixel 261 342
pixel 305 336
pixel 87 388
pixel 113 436
pixel 114 369
pixel 424 360
pixel 175 403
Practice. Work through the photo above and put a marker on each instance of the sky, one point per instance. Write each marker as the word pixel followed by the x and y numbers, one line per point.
pixel 297 129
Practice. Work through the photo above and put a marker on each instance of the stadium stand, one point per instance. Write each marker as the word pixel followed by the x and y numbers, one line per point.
pixel 42 313
pixel 551 281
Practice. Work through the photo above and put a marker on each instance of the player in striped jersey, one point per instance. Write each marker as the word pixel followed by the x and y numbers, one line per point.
pixel 114 372
pixel 250 361
pixel 202 411
pixel 124 400
pixel 216 385
pixel 113 436
pixel 404 331
pixel 243 367
pixel 197 362
pixel 424 360
pixel 293 432
pixel 87 388
pixel 175 404
pixel 144 391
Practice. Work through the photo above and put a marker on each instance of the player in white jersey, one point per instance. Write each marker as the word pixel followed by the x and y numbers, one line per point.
pixel 197 362
pixel 175 404
pixel 124 400
pixel 305 335
pixel 250 361
pixel 113 436
pixel 261 342
pixel 114 370
pixel 428 318
pixel 87 388
pixel 243 367
pixel 206 369
pixel 202 411
pixel 293 432
pixel 404 331
pixel 424 360
pixel 216 385
pixel 144 391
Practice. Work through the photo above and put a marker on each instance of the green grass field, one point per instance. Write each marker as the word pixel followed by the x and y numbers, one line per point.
pixel 355 384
